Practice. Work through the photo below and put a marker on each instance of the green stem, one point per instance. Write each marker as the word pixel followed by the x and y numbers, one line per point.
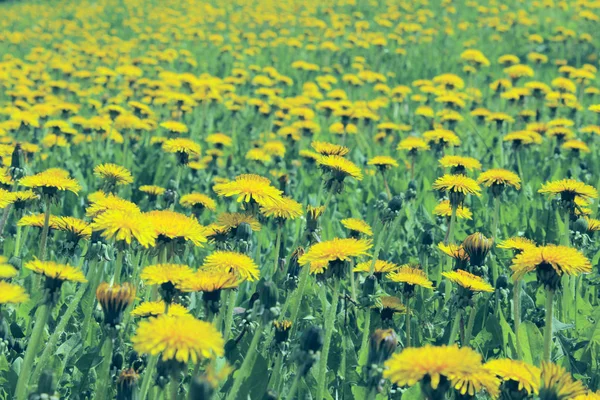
pixel 277 249
pixel 517 314
pixel 364 347
pixel 277 369
pixel 229 317
pixel 294 388
pixel 46 228
pixel 174 387
pixel 566 232
pixel 148 374
pixel 329 325
pixel 118 267
pixel 496 217
pixel 247 365
pixel 297 302
pixel 520 167
pixel 407 322
pixel 5 215
pixel 470 325
pixel 548 327
pixel 60 328
pixel 95 275
pixel 18 241
pixel 43 313
pixel 103 382
pixel 450 237
pixel 455 325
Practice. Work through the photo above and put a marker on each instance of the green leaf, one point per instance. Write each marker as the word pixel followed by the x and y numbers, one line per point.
pixel 532 342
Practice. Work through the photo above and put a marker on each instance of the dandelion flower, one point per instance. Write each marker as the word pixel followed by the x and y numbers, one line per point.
pixel 526 377
pixel 411 276
pixel 160 274
pixel 357 227
pixel 177 338
pixel 249 188
pixel 170 225
pixel 125 226
pixel 444 209
pixel 232 262
pixel 12 294
pixel 498 179
pixel 340 167
pixel 335 250
pixel 558 384
pixel 7 271
pixel 198 201
pixel 154 308
pixel 56 272
pixel 285 208
pixel 468 281
pixel 459 163
pixel 381 267
pixel 113 174
pixel 329 149
pixel 457 183
pixel 51 181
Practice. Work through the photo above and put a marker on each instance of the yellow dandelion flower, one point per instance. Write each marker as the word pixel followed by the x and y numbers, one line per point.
pixel 37 220
pixel 576 145
pixel 198 200
pixel 569 189
pixel 74 226
pixel 516 243
pixel 499 178
pixel 219 139
pixel 174 126
pixel 444 209
pixel 248 188
pixel 411 275
pixel 455 251
pixel 340 167
pixel 457 183
pixel 381 267
pixel 558 384
pixel 101 202
pixel 114 174
pixel 158 274
pixel 231 221
pixel 383 162
pixel 329 149
pixel 7 271
pixel 412 144
pixel 285 208
pixel 12 294
pixel 545 259
pixel 468 281
pixel 357 225
pixel 413 365
pixel 53 270
pixel 460 163
pixel 51 181
pixel 232 262
pixel 210 281
pixel 177 338
pixel 154 308
pixel 442 137
pixel 335 250
pixel 527 377
pixel 123 225
pixel 170 225
pixel 152 190
pixel 182 147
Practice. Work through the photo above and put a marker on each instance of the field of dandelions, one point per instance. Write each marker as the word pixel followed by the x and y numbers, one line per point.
pixel 345 199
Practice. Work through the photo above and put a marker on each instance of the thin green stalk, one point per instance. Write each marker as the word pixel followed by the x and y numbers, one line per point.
pixel 329 325
pixel 520 166
pixel 118 267
pixel 43 313
pixel 277 249
pixel 277 369
pixel 455 325
pixel 229 316
pixel 407 323
pixel 450 237
pixel 174 387
pixel 18 241
pixel 470 324
pixel 548 327
pixel 364 347
pixel 247 365
pixel 45 229
pixel 297 301
pixel 51 343
pixel 103 382
pixel 148 374
pixel 95 276
pixel 566 227
pixel 294 387
pixel 517 314
pixel 496 217
pixel 5 215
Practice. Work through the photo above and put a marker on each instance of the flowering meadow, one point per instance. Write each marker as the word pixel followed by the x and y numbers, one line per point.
pixel 340 199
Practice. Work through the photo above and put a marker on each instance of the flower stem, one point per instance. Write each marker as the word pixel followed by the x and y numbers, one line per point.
pixel 297 301
pixel 364 348
pixel 118 267
pixel 496 217
pixel 5 215
pixel 148 373
pixel 407 323
pixel 470 324
pixel 450 237
pixel 247 365
pixel 567 222
pixel 329 325
pixel 548 327
pixel 45 229
pixel 103 382
pixel 43 314
pixel 517 314
pixel 174 387
pixel 455 325
pixel 18 241
pixel 277 249
pixel 294 388
pixel 229 316
pixel 60 328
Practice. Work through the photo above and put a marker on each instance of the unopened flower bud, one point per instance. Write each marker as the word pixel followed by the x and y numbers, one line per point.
pixel 127 385
pixel 477 246
pixel 114 300
pixel 382 345
pixel 312 339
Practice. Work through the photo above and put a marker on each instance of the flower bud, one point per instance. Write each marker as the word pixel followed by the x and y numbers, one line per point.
pixel 268 294
pixel 312 339
pixel 382 345
pixel 477 246
pixel 282 330
pixel 127 385
pixel 114 300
